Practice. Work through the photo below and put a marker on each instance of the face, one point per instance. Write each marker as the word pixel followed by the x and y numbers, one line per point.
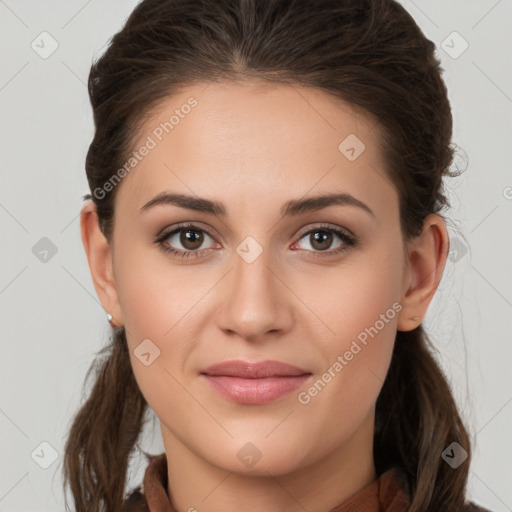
pixel 263 279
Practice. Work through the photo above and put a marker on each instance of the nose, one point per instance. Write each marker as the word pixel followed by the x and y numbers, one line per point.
pixel 255 301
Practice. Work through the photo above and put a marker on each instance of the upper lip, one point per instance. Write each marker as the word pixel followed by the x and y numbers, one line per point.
pixel 247 370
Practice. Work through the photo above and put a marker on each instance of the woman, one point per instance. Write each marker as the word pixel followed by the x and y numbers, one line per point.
pixel 265 235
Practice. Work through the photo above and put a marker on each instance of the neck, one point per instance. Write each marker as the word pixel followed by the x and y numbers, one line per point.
pixel 194 483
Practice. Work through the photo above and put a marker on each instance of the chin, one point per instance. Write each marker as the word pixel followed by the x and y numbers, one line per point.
pixel 259 458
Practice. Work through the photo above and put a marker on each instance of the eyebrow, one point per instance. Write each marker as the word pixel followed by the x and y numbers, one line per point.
pixel 290 208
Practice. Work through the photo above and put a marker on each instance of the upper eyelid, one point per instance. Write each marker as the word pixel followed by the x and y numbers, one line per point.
pixel 176 229
pixel 326 226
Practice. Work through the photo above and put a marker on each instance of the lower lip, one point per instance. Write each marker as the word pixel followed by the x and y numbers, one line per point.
pixel 255 391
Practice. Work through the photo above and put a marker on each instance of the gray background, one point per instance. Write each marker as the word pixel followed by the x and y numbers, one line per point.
pixel 52 322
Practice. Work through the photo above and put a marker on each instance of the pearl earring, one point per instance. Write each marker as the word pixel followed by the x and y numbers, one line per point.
pixel 110 319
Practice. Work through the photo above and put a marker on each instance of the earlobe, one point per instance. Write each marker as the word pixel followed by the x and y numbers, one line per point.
pixel 99 257
pixel 427 255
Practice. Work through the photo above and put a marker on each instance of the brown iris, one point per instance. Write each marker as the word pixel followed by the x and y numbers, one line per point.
pixel 322 238
pixel 193 237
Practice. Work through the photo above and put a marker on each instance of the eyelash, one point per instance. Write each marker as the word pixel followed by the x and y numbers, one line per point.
pixel 348 241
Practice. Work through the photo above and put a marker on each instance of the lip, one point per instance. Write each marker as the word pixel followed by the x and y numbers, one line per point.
pixel 254 383
pixel 246 370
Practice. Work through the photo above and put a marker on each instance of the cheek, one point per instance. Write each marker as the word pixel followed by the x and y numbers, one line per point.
pixel 156 307
pixel 356 359
pixel 353 298
pixel 155 294
pixel 360 308
pixel 162 306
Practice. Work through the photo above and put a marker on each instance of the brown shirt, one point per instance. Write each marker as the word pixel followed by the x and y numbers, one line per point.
pixel 388 493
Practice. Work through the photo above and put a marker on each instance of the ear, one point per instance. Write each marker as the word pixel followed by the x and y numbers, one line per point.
pixel 426 259
pixel 99 256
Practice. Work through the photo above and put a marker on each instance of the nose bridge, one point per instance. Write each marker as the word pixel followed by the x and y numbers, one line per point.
pixel 253 303
pixel 251 263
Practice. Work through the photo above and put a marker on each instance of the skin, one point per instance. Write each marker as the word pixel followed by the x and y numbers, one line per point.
pixel 253 147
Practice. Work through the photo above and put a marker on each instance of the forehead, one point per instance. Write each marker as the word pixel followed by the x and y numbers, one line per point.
pixel 256 139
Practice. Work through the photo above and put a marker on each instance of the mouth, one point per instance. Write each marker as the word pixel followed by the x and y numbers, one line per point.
pixel 254 383
pixel 247 370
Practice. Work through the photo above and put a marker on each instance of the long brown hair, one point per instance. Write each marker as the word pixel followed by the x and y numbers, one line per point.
pixel 370 53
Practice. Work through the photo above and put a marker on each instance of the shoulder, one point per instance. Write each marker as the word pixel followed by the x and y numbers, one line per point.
pixel 135 502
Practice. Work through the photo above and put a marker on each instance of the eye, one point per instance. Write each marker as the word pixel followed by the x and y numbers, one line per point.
pixel 321 239
pixel 190 236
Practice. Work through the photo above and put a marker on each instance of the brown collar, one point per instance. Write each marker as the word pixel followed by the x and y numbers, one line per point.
pixel 388 493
